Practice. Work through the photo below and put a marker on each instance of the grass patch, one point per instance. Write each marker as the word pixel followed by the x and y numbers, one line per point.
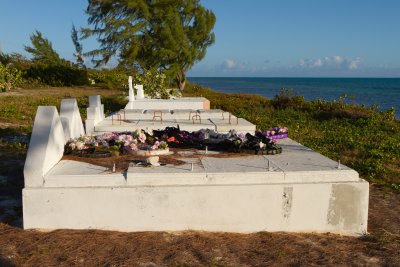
pixel 359 137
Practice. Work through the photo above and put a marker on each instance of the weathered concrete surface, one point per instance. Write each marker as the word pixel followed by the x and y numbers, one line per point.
pixel 70 173
pixel 150 119
pixel 46 146
pixel 178 103
pixel 239 124
pixel 304 192
pixel 229 208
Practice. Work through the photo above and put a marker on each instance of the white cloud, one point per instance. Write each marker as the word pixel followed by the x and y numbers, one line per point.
pixel 353 64
pixel 333 62
pixel 229 64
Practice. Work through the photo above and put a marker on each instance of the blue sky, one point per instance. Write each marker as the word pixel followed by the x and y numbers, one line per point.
pixel 261 38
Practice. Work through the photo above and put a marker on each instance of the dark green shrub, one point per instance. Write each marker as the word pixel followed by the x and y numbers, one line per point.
pixel 109 78
pixel 286 98
pixel 58 75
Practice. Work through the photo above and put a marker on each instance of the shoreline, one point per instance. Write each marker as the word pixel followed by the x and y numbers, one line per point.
pixel 382 92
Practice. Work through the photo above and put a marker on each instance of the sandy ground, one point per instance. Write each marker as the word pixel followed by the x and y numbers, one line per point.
pixel 105 248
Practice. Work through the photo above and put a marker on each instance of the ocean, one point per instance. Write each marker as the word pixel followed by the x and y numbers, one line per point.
pixel 384 92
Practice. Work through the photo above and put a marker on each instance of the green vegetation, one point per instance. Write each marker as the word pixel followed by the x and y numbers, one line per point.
pixel 78 48
pixel 9 78
pixel 148 35
pixel 359 137
pixel 42 50
pixel 47 66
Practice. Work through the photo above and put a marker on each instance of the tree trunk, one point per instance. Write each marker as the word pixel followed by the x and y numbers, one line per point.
pixel 181 81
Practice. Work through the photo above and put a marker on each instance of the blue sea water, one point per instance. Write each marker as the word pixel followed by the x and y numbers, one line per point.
pixel 384 92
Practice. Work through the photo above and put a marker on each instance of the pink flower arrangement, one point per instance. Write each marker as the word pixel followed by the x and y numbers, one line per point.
pixel 127 142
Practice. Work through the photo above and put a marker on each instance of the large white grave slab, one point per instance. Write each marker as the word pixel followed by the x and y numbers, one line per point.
pixel 46 146
pixel 246 194
pixel 177 103
pixel 298 190
pixel 187 119
pixel 71 119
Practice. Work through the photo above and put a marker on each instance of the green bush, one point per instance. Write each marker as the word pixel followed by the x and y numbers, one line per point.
pixel 109 78
pixel 9 78
pixel 64 74
pixel 153 84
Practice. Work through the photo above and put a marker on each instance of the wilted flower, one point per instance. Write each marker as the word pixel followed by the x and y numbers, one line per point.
pixel 133 147
pixel 121 138
pixel 155 145
pixel 142 137
pixel 79 145
pixel 72 146
pixel 104 143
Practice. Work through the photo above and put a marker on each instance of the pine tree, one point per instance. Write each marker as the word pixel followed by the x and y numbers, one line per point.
pixel 78 47
pixel 169 35
pixel 42 50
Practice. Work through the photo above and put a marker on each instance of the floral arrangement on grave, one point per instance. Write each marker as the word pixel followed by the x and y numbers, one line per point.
pixel 275 133
pixel 260 143
pixel 114 144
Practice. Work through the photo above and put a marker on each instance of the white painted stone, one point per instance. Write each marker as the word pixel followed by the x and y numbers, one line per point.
pixel 140 92
pixel 131 92
pixel 70 173
pixel 178 103
pixel 92 113
pixel 46 146
pixel 71 119
pixel 94 101
pixel 92 119
pixel 239 124
pixel 95 113
pixel 131 97
pixel 89 125
pixel 228 208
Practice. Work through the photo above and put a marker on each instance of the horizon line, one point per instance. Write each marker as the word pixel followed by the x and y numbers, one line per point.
pixel 297 77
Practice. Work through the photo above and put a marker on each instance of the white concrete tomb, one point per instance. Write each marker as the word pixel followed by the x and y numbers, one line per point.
pixel 296 191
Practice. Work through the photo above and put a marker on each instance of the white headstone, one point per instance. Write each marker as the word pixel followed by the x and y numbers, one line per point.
pixel 140 92
pixel 95 113
pixel 131 92
pixel 94 101
pixel 46 146
pixel 71 119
